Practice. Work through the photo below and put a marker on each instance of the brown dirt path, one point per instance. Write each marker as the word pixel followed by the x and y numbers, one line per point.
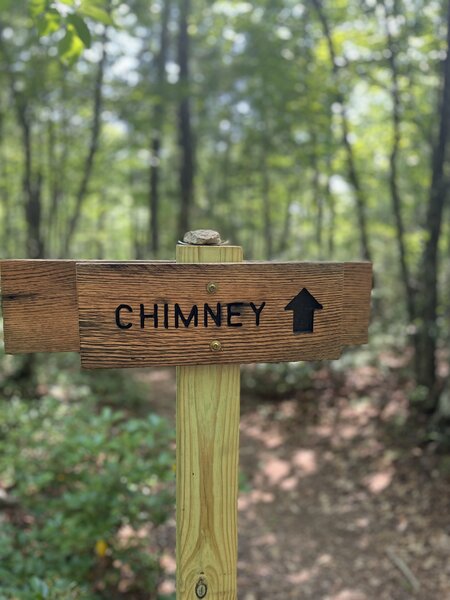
pixel 339 502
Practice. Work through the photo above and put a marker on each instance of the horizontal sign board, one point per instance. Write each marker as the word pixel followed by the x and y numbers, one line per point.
pixel 137 314
pixel 40 305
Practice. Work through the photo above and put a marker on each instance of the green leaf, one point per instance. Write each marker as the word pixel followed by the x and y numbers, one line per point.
pixel 40 587
pixel 70 47
pixel 81 28
pixel 37 7
pixel 94 10
pixel 65 44
pixel 48 23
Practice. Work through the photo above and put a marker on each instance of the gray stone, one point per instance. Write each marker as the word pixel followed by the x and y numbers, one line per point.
pixel 202 237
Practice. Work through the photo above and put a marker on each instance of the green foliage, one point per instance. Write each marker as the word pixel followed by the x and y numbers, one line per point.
pixel 272 171
pixel 20 587
pixel 70 46
pixel 81 28
pixel 86 483
pixel 95 9
pixel 276 380
pixel 68 18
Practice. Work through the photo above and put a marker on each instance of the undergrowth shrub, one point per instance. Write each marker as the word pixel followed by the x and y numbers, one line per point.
pixel 88 488
pixel 276 381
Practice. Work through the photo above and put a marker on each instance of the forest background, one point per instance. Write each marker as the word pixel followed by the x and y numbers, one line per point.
pixel 300 130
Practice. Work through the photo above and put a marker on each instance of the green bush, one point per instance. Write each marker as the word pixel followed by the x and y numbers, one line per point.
pixel 78 478
pixel 276 381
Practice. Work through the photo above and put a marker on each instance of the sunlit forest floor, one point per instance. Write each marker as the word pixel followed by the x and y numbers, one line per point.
pixel 339 499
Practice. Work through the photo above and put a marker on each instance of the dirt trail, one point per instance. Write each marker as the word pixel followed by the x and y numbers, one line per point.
pixel 337 504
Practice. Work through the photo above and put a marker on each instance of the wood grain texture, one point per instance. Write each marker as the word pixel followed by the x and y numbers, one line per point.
pixel 356 309
pixel 103 287
pixel 40 305
pixel 39 302
pixel 207 466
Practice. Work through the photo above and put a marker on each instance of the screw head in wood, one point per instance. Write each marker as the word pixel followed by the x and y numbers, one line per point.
pixel 215 346
pixel 212 287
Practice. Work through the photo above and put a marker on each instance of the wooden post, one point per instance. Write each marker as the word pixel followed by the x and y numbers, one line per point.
pixel 208 411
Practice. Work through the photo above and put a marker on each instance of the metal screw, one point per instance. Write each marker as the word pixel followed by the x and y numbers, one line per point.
pixel 215 346
pixel 201 589
pixel 212 288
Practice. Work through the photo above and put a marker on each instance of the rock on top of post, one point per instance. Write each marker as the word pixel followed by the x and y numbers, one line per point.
pixel 202 237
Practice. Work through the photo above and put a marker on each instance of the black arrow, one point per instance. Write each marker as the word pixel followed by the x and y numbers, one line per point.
pixel 303 305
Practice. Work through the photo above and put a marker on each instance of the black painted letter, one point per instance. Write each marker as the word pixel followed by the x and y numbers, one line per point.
pixel 233 313
pixel 153 315
pixel 118 321
pixel 186 320
pixel 257 310
pixel 216 317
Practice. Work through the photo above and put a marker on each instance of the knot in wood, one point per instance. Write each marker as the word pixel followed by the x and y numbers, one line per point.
pixel 201 589
pixel 202 237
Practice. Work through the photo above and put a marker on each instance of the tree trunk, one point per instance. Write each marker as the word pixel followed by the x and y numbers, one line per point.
pixel 267 211
pixel 184 122
pixel 352 172
pixel 4 194
pixel 393 173
pixel 224 196
pixel 156 142
pixel 331 202
pixel 287 222
pixel 428 302
pixel 155 163
pixel 92 151
pixel 317 195
pixel 57 171
pixel 359 194
pixel 32 178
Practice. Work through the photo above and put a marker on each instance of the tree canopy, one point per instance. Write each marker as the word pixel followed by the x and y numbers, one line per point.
pixel 312 130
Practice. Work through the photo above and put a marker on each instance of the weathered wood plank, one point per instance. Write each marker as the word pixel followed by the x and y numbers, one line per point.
pixel 40 305
pixel 356 309
pixel 208 413
pixel 102 288
pixel 40 309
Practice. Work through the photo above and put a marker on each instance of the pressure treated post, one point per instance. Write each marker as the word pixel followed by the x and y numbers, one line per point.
pixel 208 411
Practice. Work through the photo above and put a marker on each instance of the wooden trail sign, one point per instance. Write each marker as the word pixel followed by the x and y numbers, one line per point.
pixel 206 313
pixel 171 314
pixel 141 314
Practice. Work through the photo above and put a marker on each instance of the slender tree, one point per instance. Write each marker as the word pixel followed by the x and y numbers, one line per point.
pixel 317 192
pixel 92 150
pixel 266 204
pixel 185 135
pixel 427 336
pixel 352 172
pixel 57 168
pixel 157 130
pixel 393 163
pixel 4 195
pixel 32 174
